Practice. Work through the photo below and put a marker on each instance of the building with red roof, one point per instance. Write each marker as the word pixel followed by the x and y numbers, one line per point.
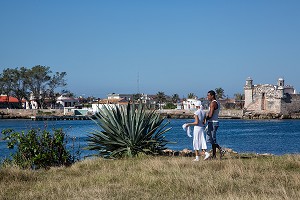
pixel 10 102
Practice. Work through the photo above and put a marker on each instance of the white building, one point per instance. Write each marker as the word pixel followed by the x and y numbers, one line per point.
pixel 189 104
pixel 127 97
pixel 143 98
pixel 65 101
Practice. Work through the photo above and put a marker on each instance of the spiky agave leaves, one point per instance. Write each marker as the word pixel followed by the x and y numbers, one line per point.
pixel 128 131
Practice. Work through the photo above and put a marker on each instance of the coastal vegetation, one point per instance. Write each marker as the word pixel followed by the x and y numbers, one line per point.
pixel 37 81
pixel 38 148
pixel 220 93
pixel 128 131
pixel 191 96
pixel 175 98
pixel 170 105
pixel 148 177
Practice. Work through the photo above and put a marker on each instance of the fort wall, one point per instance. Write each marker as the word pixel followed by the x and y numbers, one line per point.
pixel 267 99
pixel 291 104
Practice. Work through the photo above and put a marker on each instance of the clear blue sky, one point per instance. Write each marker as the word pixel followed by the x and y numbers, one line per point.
pixel 172 46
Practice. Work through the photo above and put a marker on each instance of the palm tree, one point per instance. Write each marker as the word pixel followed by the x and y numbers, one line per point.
pixel 239 96
pixel 219 93
pixel 161 98
pixel 191 96
pixel 239 100
pixel 175 98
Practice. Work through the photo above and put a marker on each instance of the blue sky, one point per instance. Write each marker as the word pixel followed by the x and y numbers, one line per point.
pixel 170 46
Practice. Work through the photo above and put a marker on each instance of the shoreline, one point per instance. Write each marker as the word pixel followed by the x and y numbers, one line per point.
pixel 229 153
pixel 57 114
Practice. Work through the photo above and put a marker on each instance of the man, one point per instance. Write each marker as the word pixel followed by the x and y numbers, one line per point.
pixel 213 123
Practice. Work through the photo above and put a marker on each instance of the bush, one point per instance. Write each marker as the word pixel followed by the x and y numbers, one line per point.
pixel 170 106
pixel 128 131
pixel 38 148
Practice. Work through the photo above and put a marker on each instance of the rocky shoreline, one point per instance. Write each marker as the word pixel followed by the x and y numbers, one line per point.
pixel 229 153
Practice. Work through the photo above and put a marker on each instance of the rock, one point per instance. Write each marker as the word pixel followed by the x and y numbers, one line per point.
pixel 186 153
pixel 168 152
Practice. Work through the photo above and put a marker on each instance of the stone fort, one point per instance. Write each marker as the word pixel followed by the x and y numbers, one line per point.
pixel 266 98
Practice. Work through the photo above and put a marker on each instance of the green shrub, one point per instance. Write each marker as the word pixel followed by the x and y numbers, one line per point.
pixel 170 106
pixel 128 131
pixel 38 148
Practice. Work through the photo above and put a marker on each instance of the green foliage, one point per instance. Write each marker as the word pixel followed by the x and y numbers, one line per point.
pixel 128 131
pixel 191 96
pixel 161 97
pixel 37 81
pixel 239 96
pixel 175 98
pixel 239 100
pixel 87 105
pixel 219 93
pixel 137 97
pixel 170 106
pixel 38 148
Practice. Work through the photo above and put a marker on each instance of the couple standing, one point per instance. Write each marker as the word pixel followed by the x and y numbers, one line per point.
pixel 211 118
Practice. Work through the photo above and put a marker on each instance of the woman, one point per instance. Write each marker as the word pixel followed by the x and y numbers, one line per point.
pixel 198 138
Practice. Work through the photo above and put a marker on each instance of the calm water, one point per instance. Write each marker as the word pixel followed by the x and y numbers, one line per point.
pixel 261 136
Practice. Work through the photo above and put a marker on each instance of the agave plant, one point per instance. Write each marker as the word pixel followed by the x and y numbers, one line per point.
pixel 128 131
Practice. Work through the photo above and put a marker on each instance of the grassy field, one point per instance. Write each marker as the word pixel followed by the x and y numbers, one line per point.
pixel 271 177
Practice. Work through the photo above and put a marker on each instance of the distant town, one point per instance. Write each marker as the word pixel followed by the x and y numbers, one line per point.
pixel 35 88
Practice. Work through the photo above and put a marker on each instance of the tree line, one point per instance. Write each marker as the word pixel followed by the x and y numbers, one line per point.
pixel 37 83
pixel 161 97
pixel 220 94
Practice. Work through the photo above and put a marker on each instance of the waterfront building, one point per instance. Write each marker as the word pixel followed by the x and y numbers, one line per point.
pixel 66 101
pixel 10 102
pixel 189 104
pixel 114 96
pixel 268 98
pixel 145 99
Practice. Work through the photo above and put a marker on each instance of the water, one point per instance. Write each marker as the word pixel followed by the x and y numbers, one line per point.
pixel 252 136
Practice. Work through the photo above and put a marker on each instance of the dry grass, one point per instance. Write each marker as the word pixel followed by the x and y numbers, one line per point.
pixel 276 177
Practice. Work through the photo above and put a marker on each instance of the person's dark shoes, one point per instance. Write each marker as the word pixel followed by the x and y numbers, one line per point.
pixel 222 153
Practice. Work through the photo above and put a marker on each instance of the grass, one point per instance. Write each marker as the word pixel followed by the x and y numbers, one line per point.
pixel 271 177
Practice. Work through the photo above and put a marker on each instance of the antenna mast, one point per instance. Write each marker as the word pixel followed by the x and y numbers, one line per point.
pixel 138 83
